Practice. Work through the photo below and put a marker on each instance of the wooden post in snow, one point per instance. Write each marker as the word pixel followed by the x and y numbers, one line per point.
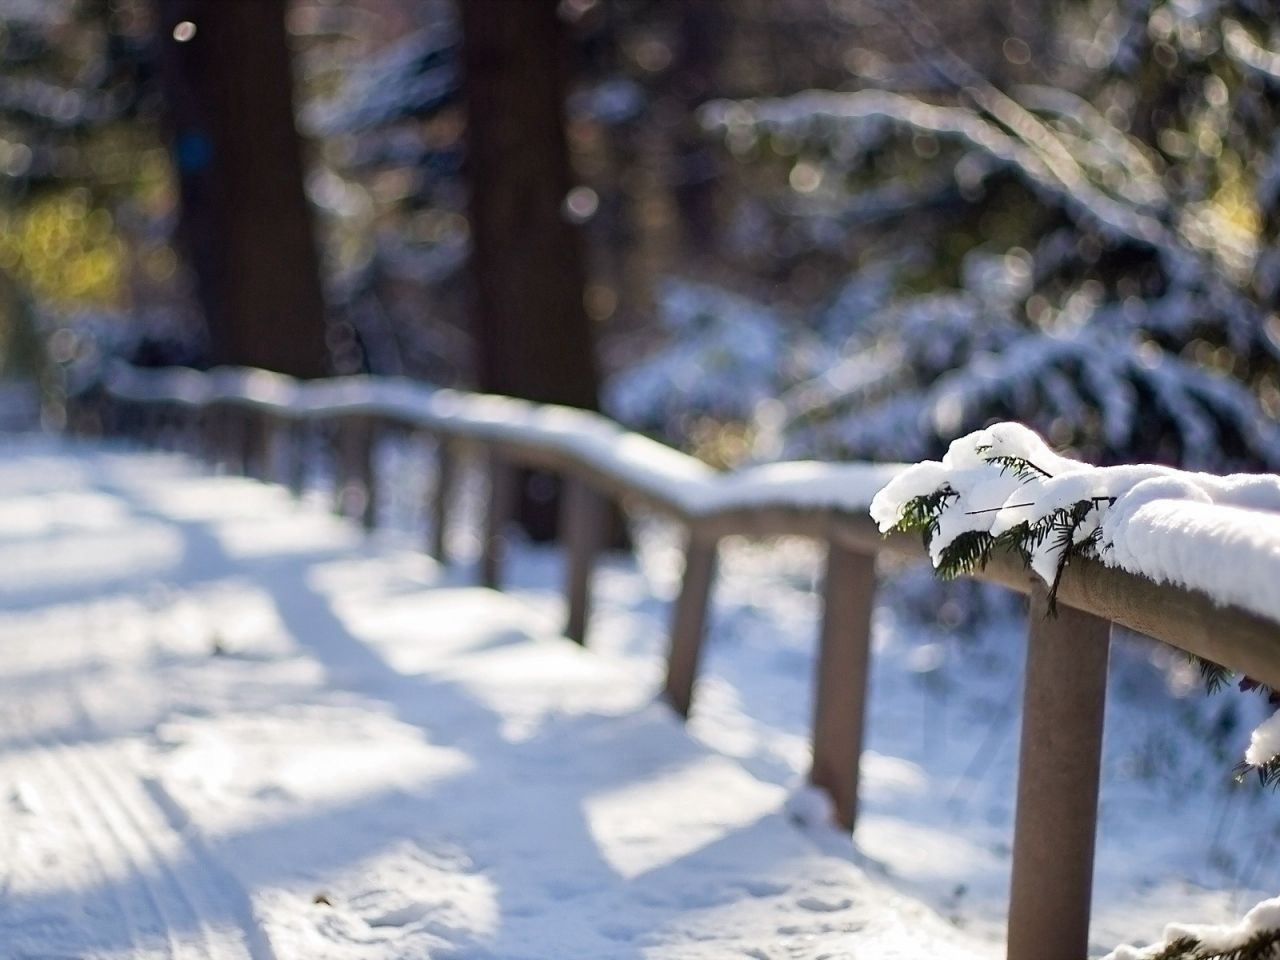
pixel 689 618
pixel 1058 774
pixel 441 498
pixel 502 492
pixel 844 655
pixel 582 526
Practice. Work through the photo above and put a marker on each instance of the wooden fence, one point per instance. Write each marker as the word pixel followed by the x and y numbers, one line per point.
pixel 254 426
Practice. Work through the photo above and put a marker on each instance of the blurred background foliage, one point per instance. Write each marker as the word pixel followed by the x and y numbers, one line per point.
pixel 86 197
pixel 63 252
pixel 834 228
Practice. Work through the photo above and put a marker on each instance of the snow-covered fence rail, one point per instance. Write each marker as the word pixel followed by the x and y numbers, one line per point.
pixel 249 419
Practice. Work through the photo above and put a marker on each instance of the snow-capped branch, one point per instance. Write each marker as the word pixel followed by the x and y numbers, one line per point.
pixel 1101 178
pixel 1004 484
pixel 1003 487
pixel 1027 147
pixel 1255 937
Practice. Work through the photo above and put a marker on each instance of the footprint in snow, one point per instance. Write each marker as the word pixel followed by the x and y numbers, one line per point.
pixel 763 888
pixel 824 905
pixel 401 916
pixel 25 799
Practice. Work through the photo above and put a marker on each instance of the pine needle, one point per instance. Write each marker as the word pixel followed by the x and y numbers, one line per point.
pixel 968 552
pixel 1020 467
pixel 922 513
pixel 1268 773
pixel 1214 675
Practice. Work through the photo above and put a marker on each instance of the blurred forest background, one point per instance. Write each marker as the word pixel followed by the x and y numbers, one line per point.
pixel 757 229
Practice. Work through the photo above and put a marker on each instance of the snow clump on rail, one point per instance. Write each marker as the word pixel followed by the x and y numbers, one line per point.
pixel 1255 935
pixel 1003 486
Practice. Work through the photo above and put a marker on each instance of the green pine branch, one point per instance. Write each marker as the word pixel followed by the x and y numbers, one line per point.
pixel 1264 945
pixel 967 552
pixel 923 513
pixel 972 550
pixel 1268 773
pixel 1020 467
pixel 1066 527
pixel 1214 675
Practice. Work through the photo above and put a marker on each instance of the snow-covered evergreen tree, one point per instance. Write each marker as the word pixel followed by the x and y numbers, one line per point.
pixel 1092 254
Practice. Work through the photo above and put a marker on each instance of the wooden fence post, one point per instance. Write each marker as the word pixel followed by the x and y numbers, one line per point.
pixel 582 521
pixel 277 448
pixel 337 441
pixel 844 656
pixel 74 408
pixel 110 416
pixel 257 443
pixel 502 495
pixel 188 427
pixel 223 434
pixel 234 440
pixel 689 618
pixel 245 441
pixel 207 436
pixel 356 483
pixel 296 434
pixel 1058 774
pixel 367 466
pixel 149 425
pixel 442 498
pixel 162 436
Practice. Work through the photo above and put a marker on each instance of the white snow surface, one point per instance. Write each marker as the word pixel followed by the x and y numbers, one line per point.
pixel 1218 535
pixel 327 749
pixel 232 727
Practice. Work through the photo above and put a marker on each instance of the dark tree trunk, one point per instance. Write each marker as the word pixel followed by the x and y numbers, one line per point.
pixel 702 25
pixel 532 329
pixel 245 224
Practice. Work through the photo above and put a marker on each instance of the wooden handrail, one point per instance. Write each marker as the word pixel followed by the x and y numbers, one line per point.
pixel 1055 826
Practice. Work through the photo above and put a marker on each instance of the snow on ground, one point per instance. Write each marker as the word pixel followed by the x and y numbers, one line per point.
pixel 232 727
pixel 230 723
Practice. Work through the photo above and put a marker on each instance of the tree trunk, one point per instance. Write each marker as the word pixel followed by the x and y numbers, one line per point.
pixel 532 329
pixel 702 25
pixel 245 224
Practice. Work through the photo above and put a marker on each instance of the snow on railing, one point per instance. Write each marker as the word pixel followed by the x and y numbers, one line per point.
pixel 1255 937
pixel 1003 486
pixel 1190 559
pixel 680 483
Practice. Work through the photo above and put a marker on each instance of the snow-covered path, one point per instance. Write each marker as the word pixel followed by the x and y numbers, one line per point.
pixel 232 728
